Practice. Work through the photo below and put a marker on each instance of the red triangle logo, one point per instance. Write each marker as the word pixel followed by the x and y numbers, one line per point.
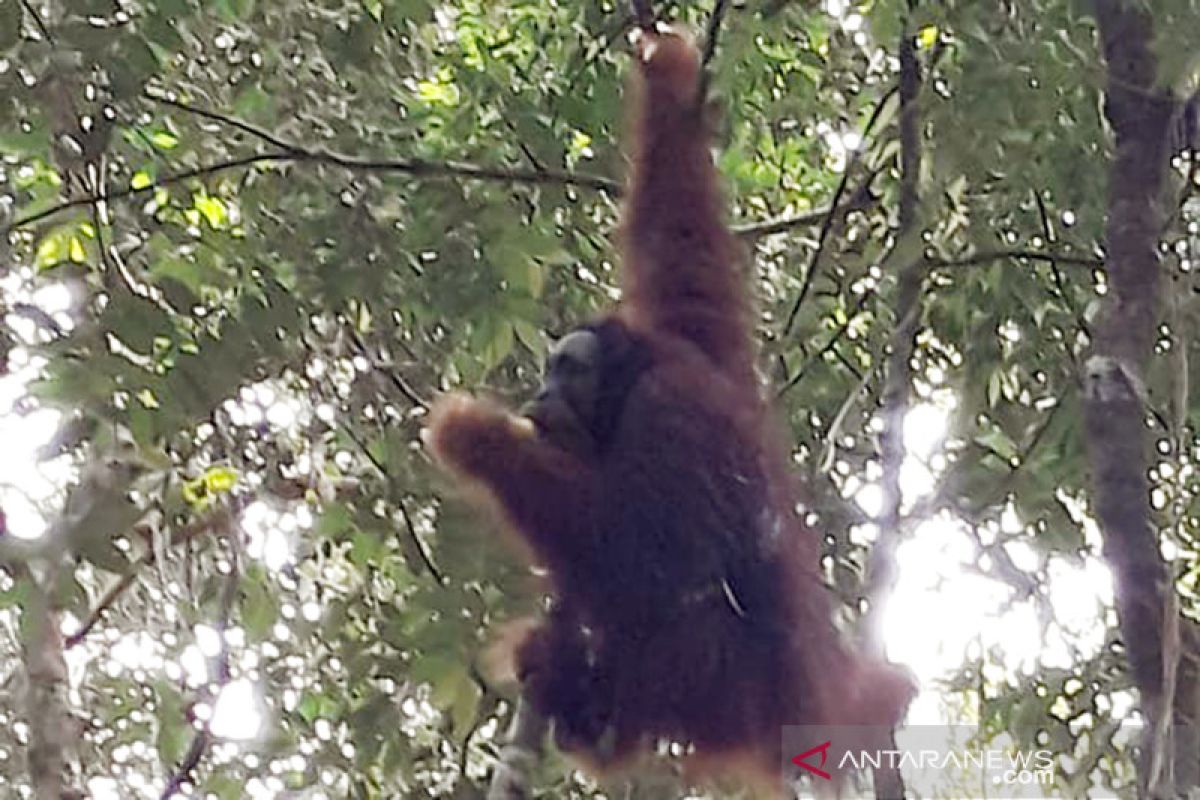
pixel 823 749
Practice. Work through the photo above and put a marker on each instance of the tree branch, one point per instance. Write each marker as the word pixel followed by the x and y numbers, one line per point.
pixel 409 393
pixel 51 728
pixel 827 224
pixel 220 519
pixel 897 387
pixel 202 739
pixel 753 230
pixel 38 21
pixel 223 119
pixel 988 256
pixel 1060 285
pixel 167 180
pixel 1140 113
pixel 107 600
pixel 519 755
pixel 830 343
pixel 416 168
pixel 289 152
pixel 711 33
pixel 409 529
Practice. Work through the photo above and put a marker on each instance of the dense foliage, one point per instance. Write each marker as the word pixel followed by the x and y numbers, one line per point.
pixel 247 242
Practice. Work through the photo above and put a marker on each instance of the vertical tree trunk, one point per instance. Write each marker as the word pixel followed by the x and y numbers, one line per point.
pixel 519 755
pixel 896 399
pixel 46 704
pixel 1141 114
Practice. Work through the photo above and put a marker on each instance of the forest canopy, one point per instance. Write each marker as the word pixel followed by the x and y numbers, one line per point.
pixel 246 245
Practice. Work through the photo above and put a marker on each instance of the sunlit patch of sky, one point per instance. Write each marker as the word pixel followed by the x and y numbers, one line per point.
pixel 30 490
pixel 944 612
pixel 844 11
pixel 27 485
pixel 841 144
pixel 271 533
pixel 265 402
pixel 238 712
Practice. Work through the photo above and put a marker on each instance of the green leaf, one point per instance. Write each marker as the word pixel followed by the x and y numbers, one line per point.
pixel 164 140
pixel 260 609
pixel 63 245
pixel 365 548
pixel 335 521
pixel 16 595
pixel 997 441
pixel 313 706
pixel 174 733
pixel 252 102
pixel 212 209
pixel 220 479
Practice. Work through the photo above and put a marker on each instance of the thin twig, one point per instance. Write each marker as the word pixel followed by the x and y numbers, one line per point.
pixel 484 711
pixel 37 20
pixel 418 167
pixel 1003 486
pixel 195 752
pixel 825 462
pixel 168 180
pixel 187 766
pixel 188 532
pixel 223 119
pixel 827 225
pixel 107 600
pixel 714 30
pixel 410 529
pixel 289 152
pixel 409 393
pixel 38 317
pixel 1060 283
pixel 753 230
pixel 842 330
pixel 987 256
pixel 711 34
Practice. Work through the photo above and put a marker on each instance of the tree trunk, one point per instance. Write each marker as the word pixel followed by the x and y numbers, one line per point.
pixel 1141 114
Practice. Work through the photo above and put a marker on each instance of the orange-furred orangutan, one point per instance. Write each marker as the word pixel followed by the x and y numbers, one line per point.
pixel 648 478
